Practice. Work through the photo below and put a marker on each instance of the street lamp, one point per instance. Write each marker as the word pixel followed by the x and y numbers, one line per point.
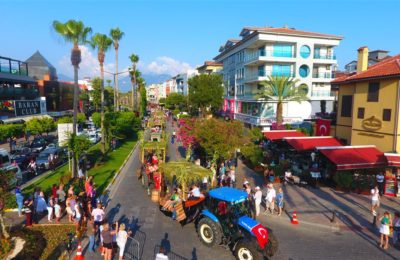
pixel 115 90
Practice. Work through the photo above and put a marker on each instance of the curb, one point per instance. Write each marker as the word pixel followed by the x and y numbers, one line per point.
pixel 107 189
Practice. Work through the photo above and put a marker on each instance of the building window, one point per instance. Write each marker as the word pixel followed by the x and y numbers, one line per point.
pixel 305 51
pixel 304 71
pixel 360 113
pixel 261 71
pixel 373 92
pixel 347 105
pixel 283 51
pixel 281 70
pixel 386 114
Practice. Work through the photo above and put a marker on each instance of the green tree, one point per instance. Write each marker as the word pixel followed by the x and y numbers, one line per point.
pixel 161 101
pixel 116 35
pixel 96 93
pixel 283 89
pixel 220 138
pixel 102 43
pixel 76 33
pixel 81 118
pixel 175 101
pixel 48 124
pixel 78 144
pixel 252 153
pixel 4 194
pixel 143 99
pixel 205 92
pixel 109 96
pixel 134 59
pixel 34 126
pixel 84 97
pixel 7 131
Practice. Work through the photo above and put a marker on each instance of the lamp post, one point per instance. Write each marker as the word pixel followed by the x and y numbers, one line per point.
pixel 116 107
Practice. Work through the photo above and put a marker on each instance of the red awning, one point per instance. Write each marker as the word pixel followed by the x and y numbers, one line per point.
pixel 354 157
pixel 310 142
pixel 280 134
pixel 393 159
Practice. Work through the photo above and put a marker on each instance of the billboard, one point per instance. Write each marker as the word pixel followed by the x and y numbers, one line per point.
pixel 27 107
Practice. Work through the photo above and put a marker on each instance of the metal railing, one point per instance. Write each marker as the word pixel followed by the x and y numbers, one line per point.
pixel 324 57
pixel 11 66
pixel 321 93
pixel 132 249
pixel 322 75
pixel 255 55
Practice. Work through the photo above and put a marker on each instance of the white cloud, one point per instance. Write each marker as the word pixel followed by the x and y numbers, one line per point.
pixel 164 65
pixel 89 65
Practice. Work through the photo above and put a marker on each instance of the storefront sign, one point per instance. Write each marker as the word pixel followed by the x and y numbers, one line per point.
pixel 225 105
pixel 232 106
pixel 372 124
pixel 25 108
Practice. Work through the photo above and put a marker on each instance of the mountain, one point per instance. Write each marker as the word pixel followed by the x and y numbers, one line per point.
pixel 63 77
pixel 125 82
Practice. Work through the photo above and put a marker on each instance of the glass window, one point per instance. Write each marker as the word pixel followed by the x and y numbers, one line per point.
pixel 387 113
pixel 347 105
pixel 373 92
pixel 360 113
pixel 261 71
pixel 281 70
pixel 261 51
pixel 305 51
pixel 283 51
pixel 304 71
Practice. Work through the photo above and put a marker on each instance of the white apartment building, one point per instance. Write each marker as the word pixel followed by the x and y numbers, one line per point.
pixel 267 51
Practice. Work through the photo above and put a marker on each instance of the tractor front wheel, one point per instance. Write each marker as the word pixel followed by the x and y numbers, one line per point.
pixel 247 250
pixel 209 232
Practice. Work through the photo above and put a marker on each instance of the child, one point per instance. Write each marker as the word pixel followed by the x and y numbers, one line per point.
pixel 57 211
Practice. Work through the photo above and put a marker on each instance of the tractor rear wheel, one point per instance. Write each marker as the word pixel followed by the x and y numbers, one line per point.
pixel 209 232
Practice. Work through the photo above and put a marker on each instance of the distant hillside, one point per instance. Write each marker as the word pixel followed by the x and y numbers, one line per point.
pixel 125 82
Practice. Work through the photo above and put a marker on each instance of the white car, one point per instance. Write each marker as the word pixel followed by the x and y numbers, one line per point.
pixel 93 137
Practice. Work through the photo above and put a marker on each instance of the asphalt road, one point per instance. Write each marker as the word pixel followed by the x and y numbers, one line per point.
pixel 129 203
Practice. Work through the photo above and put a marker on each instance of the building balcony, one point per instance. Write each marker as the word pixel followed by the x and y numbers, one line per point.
pixel 322 75
pixel 263 121
pixel 18 93
pixel 14 67
pixel 263 75
pixel 258 57
pixel 324 57
pixel 317 93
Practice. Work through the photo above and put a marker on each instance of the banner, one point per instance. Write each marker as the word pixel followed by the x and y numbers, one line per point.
pixel 232 106
pixel 225 105
pixel 323 127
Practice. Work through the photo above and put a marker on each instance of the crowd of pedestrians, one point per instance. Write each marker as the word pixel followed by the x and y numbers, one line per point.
pixel 81 206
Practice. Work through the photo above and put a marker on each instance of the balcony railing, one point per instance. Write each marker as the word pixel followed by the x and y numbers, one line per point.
pixel 324 57
pixel 323 75
pixel 321 93
pixel 17 93
pixel 11 66
pixel 252 56
pixel 259 74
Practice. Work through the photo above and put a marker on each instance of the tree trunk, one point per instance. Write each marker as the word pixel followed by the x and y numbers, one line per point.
pixel 103 132
pixel 116 87
pixel 134 104
pixel 3 227
pixel 279 111
pixel 75 119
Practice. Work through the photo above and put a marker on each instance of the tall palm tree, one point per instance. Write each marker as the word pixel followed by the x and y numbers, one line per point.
pixel 134 59
pixel 116 36
pixel 283 89
pixel 76 33
pixel 102 43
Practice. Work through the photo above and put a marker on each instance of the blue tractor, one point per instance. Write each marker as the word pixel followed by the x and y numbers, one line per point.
pixel 226 220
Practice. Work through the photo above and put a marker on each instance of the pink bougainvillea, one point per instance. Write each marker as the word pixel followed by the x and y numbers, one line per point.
pixel 185 133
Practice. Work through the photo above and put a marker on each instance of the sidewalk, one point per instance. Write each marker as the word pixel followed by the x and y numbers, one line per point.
pixel 316 206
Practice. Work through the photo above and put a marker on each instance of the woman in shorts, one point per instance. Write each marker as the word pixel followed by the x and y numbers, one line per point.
pixel 107 235
pixel 386 222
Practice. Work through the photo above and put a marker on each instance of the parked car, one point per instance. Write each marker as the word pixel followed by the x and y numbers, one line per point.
pixel 5 159
pixel 23 156
pixel 40 143
pixel 42 161
pixel 17 175
pixel 93 137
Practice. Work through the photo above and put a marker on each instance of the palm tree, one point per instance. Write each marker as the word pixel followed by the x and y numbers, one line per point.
pixel 283 89
pixel 103 44
pixel 134 59
pixel 116 36
pixel 76 33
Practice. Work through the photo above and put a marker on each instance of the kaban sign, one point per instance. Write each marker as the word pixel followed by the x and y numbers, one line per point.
pixel 25 107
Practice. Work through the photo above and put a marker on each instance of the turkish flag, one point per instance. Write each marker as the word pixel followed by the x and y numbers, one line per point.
pixel 323 127
pixel 261 234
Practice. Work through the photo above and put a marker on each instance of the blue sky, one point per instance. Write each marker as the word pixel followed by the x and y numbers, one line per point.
pixel 174 35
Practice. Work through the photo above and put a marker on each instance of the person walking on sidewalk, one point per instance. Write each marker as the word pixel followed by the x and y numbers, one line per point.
pixel 279 201
pixel 20 200
pixel 380 180
pixel 374 200
pixel 257 200
pixel 122 237
pixel 386 222
pixel 270 199
pixel 396 228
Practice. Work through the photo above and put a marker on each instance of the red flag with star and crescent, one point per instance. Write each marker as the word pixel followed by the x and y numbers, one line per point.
pixel 261 234
pixel 323 127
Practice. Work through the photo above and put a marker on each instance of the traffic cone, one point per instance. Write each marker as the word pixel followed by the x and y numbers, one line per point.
pixel 79 255
pixel 294 218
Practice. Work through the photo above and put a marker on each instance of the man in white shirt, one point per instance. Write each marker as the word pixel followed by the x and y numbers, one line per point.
pixel 380 180
pixel 270 199
pixel 98 216
pixel 194 193
pixel 374 200
pixel 257 200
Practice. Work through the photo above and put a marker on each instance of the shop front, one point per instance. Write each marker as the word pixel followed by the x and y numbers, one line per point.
pixel 392 176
